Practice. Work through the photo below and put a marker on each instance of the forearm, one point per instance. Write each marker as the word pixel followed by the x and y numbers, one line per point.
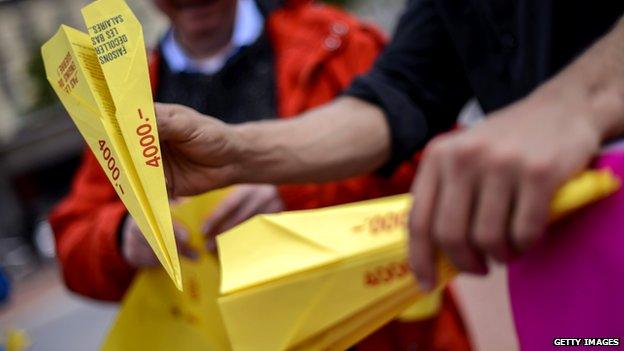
pixel 341 139
pixel 595 81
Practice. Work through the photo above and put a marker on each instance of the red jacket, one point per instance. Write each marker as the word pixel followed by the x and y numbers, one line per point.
pixel 317 51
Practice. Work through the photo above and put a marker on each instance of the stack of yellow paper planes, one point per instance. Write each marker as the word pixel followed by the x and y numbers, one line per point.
pixel 316 279
pixel 324 279
pixel 102 80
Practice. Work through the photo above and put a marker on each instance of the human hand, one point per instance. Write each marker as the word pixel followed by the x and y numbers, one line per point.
pixel 200 153
pixel 244 202
pixel 487 190
pixel 137 252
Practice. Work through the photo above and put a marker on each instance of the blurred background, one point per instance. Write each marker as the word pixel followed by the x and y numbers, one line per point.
pixel 39 151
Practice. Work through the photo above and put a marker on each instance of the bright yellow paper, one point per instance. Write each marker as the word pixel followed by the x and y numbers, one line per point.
pixel 155 316
pixel 103 83
pixel 324 279
pixel 16 340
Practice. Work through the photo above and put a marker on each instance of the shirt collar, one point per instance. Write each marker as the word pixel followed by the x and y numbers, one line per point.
pixel 248 26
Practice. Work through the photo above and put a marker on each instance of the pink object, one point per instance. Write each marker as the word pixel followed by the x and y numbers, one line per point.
pixel 571 285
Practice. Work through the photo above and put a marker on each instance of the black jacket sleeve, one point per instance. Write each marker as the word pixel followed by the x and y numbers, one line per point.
pixel 418 81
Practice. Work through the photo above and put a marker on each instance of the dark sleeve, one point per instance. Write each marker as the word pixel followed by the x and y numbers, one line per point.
pixel 418 81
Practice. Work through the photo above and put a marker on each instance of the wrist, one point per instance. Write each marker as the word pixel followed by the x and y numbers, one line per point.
pixel 599 102
pixel 600 75
pixel 254 152
pixel 606 107
pixel 592 87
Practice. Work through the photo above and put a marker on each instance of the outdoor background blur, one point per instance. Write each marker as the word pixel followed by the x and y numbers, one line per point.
pixel 39 151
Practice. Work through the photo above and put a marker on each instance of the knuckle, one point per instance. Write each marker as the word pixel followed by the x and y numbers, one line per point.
pixel 465 153
pixel 178 108
pixel 487 240
pixel 470 148
pixel 172 111
pixel 538 171
pixel 502 160
pixel 437 148
pixel 449 240
pixel 525 236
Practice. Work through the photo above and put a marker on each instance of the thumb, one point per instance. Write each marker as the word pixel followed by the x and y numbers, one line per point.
pixel 175 122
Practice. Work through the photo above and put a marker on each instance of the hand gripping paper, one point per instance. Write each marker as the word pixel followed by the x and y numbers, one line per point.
pixel 324 279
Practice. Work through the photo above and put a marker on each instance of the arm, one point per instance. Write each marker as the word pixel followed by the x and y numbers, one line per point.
pixel 202 153
pixel 341 139
pixel 86 226
pixel 415 90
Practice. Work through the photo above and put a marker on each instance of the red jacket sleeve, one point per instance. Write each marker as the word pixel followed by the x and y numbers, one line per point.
pixel 86 225
pixel 311 74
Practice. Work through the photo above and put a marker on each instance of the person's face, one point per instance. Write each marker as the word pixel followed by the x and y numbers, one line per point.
pixel 197 19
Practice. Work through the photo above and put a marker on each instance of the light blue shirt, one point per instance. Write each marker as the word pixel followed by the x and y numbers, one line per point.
pixel 248 26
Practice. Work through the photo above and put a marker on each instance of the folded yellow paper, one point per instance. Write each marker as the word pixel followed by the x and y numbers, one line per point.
pixel 156 316
pixel 323 279
pixel 102 81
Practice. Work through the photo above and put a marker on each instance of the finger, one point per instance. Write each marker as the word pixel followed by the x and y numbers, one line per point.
pixel 221 214
pixel 214 223
pixel 183 241
pixel 252 206
pixel 492 215
pixel 138 252
pixel 452 219
pixel 188 251
pixel 141 257
pixel 136 235
pixel 532 208
pixel 168 170
pixel 225 209
pixel 175 122
pixel 257 203
pixel 164 119
pixel 180 232
pixel 421 251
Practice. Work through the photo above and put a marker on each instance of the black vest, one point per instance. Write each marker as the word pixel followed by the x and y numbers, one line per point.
pixel 243 90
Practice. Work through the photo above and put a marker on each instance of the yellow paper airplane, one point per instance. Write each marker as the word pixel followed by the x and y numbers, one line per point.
pixel 155 316
pixel 102 80
pixel 324 279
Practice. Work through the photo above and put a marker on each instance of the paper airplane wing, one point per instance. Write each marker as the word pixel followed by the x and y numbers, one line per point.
pixel 304 286
pixel 269 247
pixel 117 38
pixel 72 70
